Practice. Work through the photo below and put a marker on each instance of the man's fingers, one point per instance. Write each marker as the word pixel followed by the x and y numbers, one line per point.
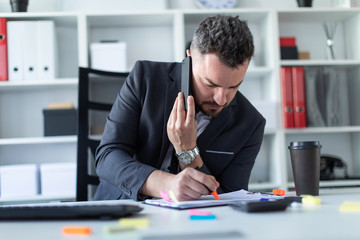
pixel 180 105
pixel 200 182
pixel 173 113
pixel 190 114
pixel 206 180
pixel 189 194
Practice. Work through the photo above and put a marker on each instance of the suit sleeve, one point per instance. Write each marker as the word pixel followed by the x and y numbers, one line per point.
pixel 115 162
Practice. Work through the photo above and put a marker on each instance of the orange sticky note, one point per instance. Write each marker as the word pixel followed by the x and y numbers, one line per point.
pixel 76 230
pixel 279 192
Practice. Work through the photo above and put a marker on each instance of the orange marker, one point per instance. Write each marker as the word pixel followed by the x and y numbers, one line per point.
pixel 76 230
pixel 279 192
pixel 214 193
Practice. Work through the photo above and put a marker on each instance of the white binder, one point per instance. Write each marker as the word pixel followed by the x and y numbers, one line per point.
pixel 15 52
pixel 46 47
pixel 30 50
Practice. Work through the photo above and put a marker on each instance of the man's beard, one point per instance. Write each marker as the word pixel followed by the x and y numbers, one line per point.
pixel 212 112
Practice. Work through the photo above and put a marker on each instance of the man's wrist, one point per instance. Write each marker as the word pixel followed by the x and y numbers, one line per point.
pixel 188 156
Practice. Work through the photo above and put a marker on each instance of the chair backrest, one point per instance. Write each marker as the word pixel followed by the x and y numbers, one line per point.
pixel 96 94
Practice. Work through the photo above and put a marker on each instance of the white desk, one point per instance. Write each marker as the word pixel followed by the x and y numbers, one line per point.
pixel 321 222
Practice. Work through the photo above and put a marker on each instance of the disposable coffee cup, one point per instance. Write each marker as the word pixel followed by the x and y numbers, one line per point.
pixel 305 161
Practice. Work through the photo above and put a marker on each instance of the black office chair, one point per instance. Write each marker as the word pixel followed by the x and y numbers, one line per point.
pixel 96 94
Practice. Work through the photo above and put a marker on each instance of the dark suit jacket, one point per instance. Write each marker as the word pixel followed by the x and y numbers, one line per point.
pixel 135 141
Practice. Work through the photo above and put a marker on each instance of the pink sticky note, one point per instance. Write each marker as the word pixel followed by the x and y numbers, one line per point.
pixel 165 196
pixel 199 212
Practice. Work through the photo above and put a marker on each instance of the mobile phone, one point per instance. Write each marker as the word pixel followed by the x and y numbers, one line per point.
pixel 186 75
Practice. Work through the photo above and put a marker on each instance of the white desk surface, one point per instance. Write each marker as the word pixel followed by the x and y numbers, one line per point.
pixel 319 222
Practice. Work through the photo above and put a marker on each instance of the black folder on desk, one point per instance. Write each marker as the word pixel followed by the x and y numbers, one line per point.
pixel 68 210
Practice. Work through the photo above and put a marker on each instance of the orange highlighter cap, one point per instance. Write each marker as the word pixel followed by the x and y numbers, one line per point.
pixel 214 193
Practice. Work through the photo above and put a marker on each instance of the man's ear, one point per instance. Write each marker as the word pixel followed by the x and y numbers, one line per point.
pixel 188 52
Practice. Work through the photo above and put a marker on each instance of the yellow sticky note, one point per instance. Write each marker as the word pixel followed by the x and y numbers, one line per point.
pixel 349 206
pixel 117 229
pixel 173 197
pixel 134 222
pixel 309 200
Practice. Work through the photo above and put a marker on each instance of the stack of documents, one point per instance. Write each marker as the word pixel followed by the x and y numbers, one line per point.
pixel 210 201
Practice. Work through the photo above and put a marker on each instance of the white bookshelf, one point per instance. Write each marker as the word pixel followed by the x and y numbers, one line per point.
pixel 306 25
pixel 162 36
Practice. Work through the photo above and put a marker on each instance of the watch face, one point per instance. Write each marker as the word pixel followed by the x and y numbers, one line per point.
pixel 216 3
pixel 185 158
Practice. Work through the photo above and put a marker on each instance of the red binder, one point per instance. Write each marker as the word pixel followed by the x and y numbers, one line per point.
pixel 287 97
pixel 299 97
pixel 3 51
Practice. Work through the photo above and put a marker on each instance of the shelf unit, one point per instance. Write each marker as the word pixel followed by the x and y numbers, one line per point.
pixel 163 36
pixel 21 120
pixel 307 26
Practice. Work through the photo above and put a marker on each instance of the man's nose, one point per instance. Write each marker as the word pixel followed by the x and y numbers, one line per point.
pixel 220 96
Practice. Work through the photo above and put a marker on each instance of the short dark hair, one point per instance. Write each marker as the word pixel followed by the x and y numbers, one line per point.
pixel 226 36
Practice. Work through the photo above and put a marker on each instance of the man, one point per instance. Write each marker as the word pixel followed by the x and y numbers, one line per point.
pixel 148 130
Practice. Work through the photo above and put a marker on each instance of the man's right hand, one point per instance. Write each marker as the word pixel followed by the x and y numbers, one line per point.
pixel 189 184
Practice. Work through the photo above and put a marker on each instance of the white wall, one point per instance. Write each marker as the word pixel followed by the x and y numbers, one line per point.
pixel 75 5
pixel 95 5
pixel 278 4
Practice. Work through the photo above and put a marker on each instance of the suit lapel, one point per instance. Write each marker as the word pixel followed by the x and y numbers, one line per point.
pixel 171 90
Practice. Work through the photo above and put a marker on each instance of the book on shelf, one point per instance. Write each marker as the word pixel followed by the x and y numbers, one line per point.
pixel 288 48
pixel 3 51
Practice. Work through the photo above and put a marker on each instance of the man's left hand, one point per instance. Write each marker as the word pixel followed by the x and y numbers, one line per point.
pixel 182 125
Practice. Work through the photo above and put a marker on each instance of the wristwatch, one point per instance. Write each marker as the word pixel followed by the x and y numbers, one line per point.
pixel 187 156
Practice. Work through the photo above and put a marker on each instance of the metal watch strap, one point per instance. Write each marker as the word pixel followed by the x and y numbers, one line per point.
pixel 187 156
pixel 195 151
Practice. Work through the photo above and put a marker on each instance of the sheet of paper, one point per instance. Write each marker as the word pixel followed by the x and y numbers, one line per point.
pixel 209 200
